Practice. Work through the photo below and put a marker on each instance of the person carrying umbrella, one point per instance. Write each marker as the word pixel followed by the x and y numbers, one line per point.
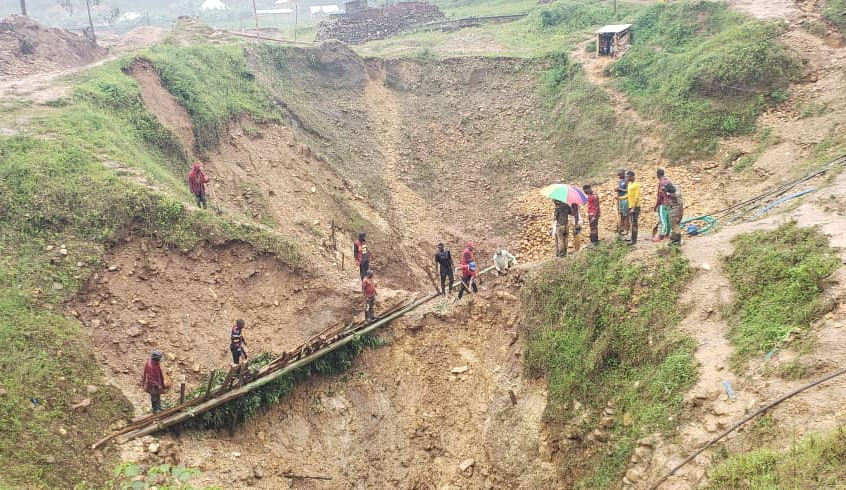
pixel 567 199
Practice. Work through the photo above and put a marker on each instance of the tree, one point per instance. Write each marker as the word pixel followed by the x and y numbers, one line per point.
pixel 68 5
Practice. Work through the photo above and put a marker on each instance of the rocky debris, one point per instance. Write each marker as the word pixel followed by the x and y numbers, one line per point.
pixel 534 212
pixel 466 466
pixel 459 370
pixel 90 389
pixel 361 25
pixel 133 331
pixel 154 447
pixel 82 404
pixel 26 47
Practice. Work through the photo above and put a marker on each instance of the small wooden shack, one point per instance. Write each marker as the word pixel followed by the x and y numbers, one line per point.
pixel 612 40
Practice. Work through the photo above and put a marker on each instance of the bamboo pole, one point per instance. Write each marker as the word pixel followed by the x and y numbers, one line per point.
pixel 154 422
pixel 241 391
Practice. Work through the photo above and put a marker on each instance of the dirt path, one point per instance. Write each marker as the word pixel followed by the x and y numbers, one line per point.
pixel 766 9
pixel 649 144
pixel 708 294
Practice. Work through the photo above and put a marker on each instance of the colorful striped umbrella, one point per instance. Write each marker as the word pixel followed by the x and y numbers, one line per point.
pixel 564 193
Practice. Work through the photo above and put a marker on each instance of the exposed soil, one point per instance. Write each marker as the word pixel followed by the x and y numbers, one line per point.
pixel 161 103
pixel 443 151
pixel 408 415
pixel 711 411
pixel 26 48
pixel 183 302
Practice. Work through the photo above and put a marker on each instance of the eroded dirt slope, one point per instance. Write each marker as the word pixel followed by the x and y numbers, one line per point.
pixel 149 297
pixel 408 415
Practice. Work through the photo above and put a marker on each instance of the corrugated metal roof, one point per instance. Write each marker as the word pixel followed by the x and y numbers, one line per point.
pixel 613 29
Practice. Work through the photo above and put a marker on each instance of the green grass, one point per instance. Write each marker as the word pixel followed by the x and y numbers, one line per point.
pixel 814 462
pixel 547 29
pixel 694 64
pixel 600 327
pixel 765 140
pixel 56 189
pixel 586 131
pixel 835 11
pixel 779 277
pixel 214 84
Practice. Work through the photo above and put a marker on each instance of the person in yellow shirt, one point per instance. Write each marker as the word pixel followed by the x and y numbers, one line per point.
pixel 633 197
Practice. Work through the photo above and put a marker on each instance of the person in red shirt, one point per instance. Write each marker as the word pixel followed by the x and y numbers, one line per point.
pixel 468 279
pixel 368 287
pixel 153 380
pixel 361 254
pixel 197 182
pixel 593 214
pixel 467 255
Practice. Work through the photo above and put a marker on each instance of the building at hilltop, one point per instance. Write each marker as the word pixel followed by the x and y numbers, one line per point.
pixel 360 23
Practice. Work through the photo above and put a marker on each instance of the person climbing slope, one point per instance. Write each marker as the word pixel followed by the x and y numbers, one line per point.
pixel 237 342
pixel 197 181
pixel 153 380
pixel 633 197
pixel 443 262
pixel 368 288
pixel 361 254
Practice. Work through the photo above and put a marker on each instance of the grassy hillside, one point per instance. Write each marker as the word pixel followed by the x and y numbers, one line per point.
pixel 61 203
pixel 601 327
pixel 779 277
pixel 813 462
pixel 706 70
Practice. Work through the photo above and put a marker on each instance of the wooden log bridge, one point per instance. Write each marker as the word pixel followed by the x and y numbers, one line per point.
pixel 237 385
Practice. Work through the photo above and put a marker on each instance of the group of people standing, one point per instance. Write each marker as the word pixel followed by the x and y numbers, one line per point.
pixel 669 207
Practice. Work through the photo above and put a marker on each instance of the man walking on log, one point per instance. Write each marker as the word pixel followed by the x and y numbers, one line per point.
pixel 361 254
pixel 368 287
pixel 153 380
pixel 237 342
pixel 443 262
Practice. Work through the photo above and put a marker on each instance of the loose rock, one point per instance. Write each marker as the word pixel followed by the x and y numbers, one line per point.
pixel 459 370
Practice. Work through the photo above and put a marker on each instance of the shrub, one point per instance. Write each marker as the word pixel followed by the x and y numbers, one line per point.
pixel 600 328
pixel 779 277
